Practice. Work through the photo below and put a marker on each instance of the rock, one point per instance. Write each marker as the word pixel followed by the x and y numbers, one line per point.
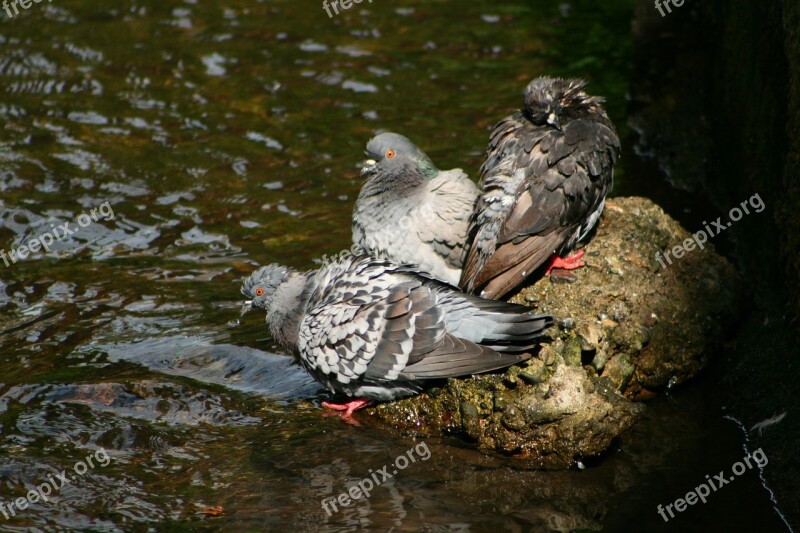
pixel 627 328
pixel 551 424
pixel 727 158
pixel 643 325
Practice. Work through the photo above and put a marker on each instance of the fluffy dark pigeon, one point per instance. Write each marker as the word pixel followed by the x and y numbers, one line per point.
pixel 375 330
pixel 410 212
pixel 544 181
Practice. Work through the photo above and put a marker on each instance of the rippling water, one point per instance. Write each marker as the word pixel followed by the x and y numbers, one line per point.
pixel 211 137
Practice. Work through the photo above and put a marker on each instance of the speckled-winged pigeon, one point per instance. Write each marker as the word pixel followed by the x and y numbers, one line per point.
pixel 410 212
pixel 375 330
pixel 544 181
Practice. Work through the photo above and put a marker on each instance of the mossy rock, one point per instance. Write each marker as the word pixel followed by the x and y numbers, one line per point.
pixel 627 329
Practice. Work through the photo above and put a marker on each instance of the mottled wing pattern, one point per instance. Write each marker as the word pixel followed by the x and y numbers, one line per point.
pixel 559 178
pixel 364 322
pixel 370 322
pixel 567 173
pixel 443 221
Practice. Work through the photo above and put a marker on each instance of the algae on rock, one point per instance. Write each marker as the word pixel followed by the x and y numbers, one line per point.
pixel 626 328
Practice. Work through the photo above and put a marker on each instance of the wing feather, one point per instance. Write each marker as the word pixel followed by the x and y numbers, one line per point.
pixel 406 327
pixel 567 174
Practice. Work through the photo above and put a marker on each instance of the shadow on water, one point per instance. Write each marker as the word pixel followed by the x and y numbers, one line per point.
pixel 227 135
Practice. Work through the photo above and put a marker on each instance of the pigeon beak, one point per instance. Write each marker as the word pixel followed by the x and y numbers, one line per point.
pixel 248 305
pixel 552 119
pixel 368 166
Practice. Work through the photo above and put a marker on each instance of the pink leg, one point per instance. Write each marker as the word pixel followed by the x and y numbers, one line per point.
pixel 348 407
pixel 567 263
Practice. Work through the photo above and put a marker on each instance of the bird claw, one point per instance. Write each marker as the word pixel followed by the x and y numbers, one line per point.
pixel 566 263
pixel 349 408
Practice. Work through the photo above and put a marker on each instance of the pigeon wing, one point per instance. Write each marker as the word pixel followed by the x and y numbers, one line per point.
pixel 567 175
pixel 344 322
pixel 446 215
pixel 378 327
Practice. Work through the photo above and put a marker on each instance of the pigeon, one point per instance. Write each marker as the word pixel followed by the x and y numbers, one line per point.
pixel 372 329
pixel 544 180
pixel 410 212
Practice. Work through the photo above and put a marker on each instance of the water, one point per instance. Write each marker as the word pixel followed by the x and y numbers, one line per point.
pixel 212 137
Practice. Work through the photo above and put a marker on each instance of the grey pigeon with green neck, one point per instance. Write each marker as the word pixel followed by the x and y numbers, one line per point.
pixel 408 211
pixel 375 330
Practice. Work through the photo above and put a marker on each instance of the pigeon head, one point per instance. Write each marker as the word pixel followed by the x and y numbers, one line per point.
pixel 394 155
pixel 552 100
pixel 260 287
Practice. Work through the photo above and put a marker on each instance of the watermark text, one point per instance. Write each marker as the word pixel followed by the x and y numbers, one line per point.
pixel 56 233
pixel 52 486
pixel 344 4
pixel 363 488
pixel 700 238
pixel 667 4
pixel 8 5
pixel 701 492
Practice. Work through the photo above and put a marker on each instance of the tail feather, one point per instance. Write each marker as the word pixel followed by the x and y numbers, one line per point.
pixel 458 357
pixel 499 325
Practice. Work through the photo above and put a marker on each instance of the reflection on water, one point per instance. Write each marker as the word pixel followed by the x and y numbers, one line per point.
pixel 227 135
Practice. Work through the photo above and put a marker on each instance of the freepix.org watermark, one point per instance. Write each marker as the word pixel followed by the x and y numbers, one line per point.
pixel 8 5
pixel 363 488
pixel 704 490
pixel 56 233
pixel 52 486
pixel 700 238
pixel 336 4
pixel 426 214
pixel 667 4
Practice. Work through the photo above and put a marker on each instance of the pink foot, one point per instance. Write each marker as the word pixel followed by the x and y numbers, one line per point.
pixel 567 263
pixel 348 407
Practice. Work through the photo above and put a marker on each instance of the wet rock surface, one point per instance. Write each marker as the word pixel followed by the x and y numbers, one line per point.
pixel 627 328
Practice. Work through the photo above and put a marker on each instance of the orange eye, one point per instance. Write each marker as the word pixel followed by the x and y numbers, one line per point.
pixel 259 292
pixel 389 153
